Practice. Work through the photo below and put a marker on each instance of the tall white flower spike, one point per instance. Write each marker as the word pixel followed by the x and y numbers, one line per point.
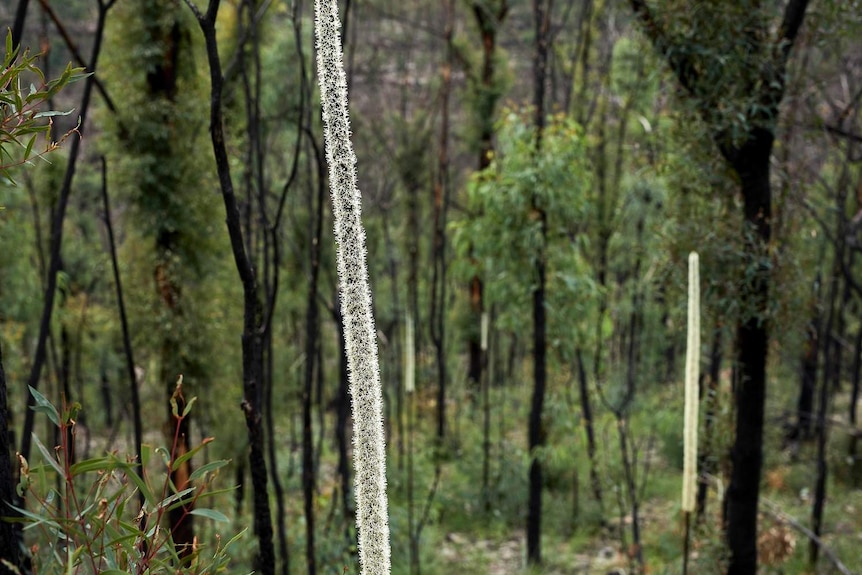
pixel 369 454
pixel 692 369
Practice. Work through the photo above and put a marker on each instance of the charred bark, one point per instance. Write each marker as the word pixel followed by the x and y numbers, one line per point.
pixel 56 240
pixel 127 340
pixel 587 414
pixel 536 432
pixel 252 359
pixel 9 540
pixel 749 159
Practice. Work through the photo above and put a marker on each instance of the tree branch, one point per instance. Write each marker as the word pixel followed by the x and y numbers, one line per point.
pixel 794 14
pixel 681 65
pixel 773 511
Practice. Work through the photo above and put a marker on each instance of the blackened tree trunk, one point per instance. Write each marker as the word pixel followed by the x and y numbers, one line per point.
pixel 252 358
pixel 752 343
pixel 536 431
pixel 437 316
pixel 342 416
pixel 587 414
pixel 706 459
pixel 831 372
pixel 127 340
pixel 489 17
pixel 18 26
pixel 805 402
pixel 763 88
pixel 8 537
pixel 311 343
pixel 854 402
pixel 57 219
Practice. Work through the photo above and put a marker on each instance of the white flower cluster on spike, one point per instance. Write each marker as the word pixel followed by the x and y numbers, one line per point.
pixel 692 372
pixel 369 452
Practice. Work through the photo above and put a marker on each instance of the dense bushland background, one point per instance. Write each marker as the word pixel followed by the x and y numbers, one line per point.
pixel 532 241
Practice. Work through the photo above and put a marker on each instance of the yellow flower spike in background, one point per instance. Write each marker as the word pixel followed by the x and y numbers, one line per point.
pixel 692 369
pixel 692 372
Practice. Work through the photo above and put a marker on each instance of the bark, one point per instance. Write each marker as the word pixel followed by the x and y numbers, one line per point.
pixel 805 402
pixel 831 373
pixel 489 18
pixel 750 161
pixel 56 240
pixel 342 416
pixel 706 459
pixel 437 317
pixel 752 344
pixel 252 313
pixel 127 340
pixel 9 540
pixel 311 342
pixel 536 431
pixel 587 414
pixel 397 351
pixel 18 26
pixel 854 402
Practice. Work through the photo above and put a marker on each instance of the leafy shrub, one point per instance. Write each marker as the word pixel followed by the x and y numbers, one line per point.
pixel 88 516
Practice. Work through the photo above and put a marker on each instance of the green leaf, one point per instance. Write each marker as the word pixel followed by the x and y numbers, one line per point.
pixel 89 465
pixel 186 456
pixel 189 405
pixel 174 498
pixel 208 468
pixel 29 147
pixel 49 457
pixel 211 514
pixel 52 113
pixel 36 519
pixel 134 478
pixel 44 406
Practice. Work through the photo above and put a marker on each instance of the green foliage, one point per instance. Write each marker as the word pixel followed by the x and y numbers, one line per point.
pixel 504 236
pixel 22 119
pixel 86 514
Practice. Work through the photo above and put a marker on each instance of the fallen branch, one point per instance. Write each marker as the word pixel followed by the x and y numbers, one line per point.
pixel 773 511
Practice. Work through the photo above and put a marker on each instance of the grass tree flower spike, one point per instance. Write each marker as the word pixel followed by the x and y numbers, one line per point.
pixel 369 455
pixel 409 356
pixel 692 368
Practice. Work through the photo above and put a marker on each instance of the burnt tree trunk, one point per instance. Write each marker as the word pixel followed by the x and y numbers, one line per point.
pixel 706 459
pixel 127 340
pixel 311 340
pixel 536 432
pixel 252 358
pixel 749 159
pixel 751 163
pixel 342 417
pixel 587 414
pixel 56 240
pixel 854 402
pixel 9 540
pixel 489 17
pixel 805 402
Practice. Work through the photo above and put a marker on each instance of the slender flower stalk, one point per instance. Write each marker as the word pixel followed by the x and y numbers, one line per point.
pixel 369 453
pixel 692 368
pixel 409 356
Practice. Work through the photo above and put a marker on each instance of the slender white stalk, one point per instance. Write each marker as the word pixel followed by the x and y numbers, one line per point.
pixel 692 369
pixel 409 356
pixel 486 321
pixel 369 454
